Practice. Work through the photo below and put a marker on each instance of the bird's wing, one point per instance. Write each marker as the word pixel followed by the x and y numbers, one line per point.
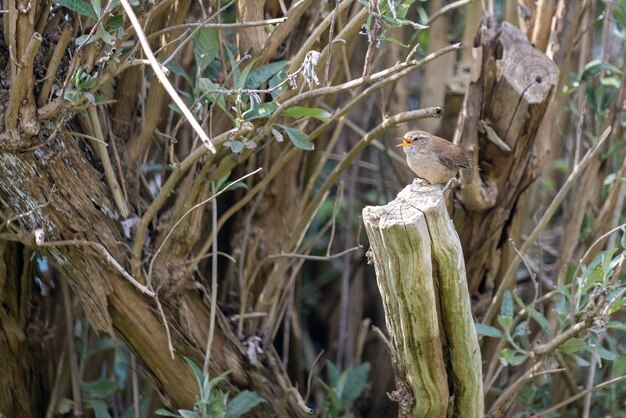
pixel 460 161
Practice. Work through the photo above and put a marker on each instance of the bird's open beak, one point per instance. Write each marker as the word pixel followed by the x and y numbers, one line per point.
pixel 404 143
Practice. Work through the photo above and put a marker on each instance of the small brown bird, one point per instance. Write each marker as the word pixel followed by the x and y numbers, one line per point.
pixel 432 158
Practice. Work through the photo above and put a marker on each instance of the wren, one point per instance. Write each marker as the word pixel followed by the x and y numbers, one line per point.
pixel 432 158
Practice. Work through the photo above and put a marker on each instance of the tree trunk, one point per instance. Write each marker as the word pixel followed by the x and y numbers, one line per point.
pixel 511 85
pixel 421 277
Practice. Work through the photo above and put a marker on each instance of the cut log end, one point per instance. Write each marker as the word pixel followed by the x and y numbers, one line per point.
pixel 410 204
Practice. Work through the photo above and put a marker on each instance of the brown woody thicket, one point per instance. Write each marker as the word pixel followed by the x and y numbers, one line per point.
pixel 106 195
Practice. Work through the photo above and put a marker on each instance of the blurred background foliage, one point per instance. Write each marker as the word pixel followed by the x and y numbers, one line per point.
pixel 290 266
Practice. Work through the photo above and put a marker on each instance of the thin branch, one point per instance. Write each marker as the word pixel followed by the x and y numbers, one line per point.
pixel 209 343
pixel 445 9
pixel 600 239
pixel 237 25
pixel 54 64
pixel 168 187
pixel 143 289
pixel 73 358
pixel 165 324
pixel 508 277
pixel 103 154
pixel 158 251
pixel 315 257
pixel 183 43
pixel 19 85
pixel 579 395
pixel 383 338
pixel 310 379
pixel 156 67
pixel 330 43
pixel 504 400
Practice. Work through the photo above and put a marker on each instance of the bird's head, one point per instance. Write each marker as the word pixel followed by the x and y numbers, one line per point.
pixel 414 138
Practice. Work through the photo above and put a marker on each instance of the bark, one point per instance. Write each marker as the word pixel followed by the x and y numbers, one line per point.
pixel 511 85
pixel 23 388
pixel 421 277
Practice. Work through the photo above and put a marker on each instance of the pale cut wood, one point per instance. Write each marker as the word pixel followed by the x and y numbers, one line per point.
pixel 421 277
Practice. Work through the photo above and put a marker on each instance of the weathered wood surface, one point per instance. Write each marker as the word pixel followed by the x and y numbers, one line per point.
pixel 510 88
pixel 421 276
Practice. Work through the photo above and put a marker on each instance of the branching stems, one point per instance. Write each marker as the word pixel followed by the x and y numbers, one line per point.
pixel 156 67
pixel 543 222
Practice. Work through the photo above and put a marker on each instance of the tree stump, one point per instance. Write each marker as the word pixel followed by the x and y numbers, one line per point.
pixel 420 272
pixel 511 85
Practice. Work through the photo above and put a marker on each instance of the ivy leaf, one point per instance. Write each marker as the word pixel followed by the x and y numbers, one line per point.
pixel 299 138
pixel 79 6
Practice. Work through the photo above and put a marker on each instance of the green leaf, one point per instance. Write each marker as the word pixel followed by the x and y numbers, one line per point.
pixel 619 367
pixel 114 22
pixel 299 138
pixel 591 277
pixel 205 47
pixel 196 371
pixel 235 146
pixel 488 330
pixel 395 41
pixel 298 112
pixel 205 85
pixel 505 322
pixel 165 413
pixel 106 36
pixel 242 403
pixel 512 357
pixel 240 81
pixel 333 373
pixel 606 354
pixel 186 413
pixel 179 71
pixel 616 306
pixel 354 383
pixel 260 111
pixel 581 361
pixel 541 320
pixel 335 404
pixel 100 408
pixel 97 7
pixel 261 75
pixel 616 325
pixel 572 346
pixel 593 67
pixel 276 80
pixel 98 389
pixel 79 6
pixel 520 330
pixel 506 309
